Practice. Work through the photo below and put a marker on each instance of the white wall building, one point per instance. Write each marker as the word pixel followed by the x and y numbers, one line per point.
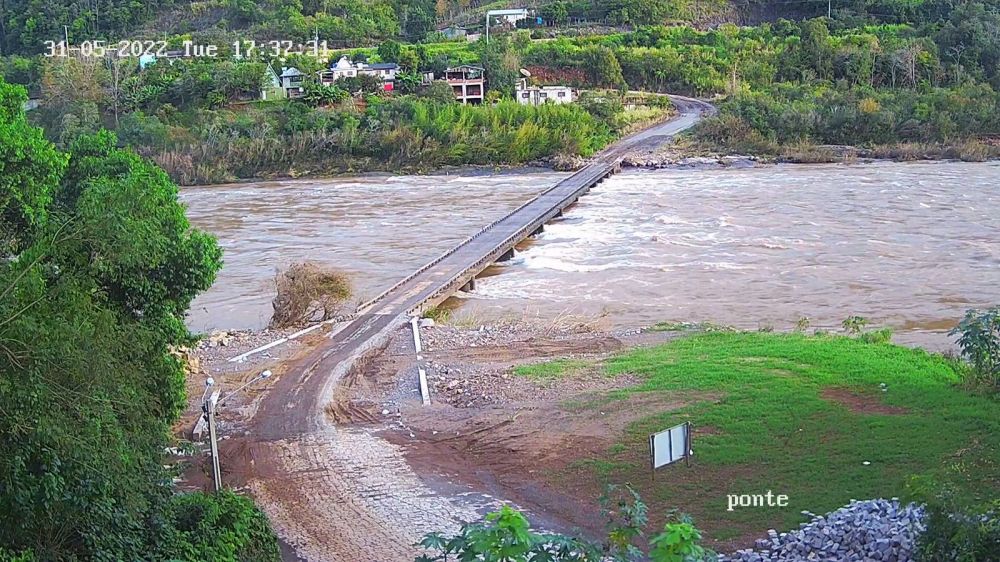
pixel 344 68
pixel 537 95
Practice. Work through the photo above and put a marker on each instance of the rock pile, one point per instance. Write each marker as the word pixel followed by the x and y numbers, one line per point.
pixel 474 388
pixel 879 529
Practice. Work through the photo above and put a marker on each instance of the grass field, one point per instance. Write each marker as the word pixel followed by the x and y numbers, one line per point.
pixel 799 415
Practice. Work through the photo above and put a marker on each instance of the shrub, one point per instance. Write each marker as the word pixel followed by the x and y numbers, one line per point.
pixel 955 530
pixel 506 536
pixel 979 339
pixel 223 526
pixel 678 542
pixel 308 292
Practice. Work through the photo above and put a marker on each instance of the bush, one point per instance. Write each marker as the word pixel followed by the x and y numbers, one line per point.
pixel 979 338
pixel 306 293
pixel 956 531
pixel 223 526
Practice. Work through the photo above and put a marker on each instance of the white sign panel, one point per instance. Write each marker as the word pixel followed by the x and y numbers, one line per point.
pixel 670 445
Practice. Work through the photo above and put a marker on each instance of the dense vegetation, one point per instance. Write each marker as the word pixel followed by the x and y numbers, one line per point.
pixel 98 265
pixel 194 117
pixel 818 81
pixel 25 25
pixel 924 88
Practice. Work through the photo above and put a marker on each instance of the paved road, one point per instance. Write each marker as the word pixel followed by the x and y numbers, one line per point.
pixel 294 443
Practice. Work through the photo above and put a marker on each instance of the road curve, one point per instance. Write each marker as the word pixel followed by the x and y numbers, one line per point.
pixel 334 494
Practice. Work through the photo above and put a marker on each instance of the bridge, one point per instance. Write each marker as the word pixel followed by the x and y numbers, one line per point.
pixel 291 440
pixel 295 405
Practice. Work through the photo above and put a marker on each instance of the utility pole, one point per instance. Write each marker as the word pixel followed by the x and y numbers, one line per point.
pixel 208 408
pixel 829 9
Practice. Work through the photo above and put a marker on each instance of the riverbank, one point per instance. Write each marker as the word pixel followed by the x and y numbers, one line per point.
pixel 688 152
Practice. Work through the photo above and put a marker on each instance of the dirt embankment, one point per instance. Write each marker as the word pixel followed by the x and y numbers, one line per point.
pixel 493 430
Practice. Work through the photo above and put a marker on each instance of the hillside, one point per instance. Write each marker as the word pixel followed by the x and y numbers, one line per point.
pixel 26 25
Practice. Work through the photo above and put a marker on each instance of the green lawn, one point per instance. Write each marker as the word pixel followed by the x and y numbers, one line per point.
pixel 769 428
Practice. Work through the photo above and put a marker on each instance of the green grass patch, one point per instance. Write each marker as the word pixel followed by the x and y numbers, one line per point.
pixel 551 369
pixel 772 429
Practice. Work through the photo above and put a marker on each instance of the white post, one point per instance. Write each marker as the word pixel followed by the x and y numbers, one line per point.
pixel 414 323
pixel 216 468
pixel 425 395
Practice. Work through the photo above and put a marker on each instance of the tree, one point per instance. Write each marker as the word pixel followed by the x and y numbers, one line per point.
pixel 389 51
pixel 409 60
pixel 407 82
pixel 439 91
pixel 30 169
pixel 979 338
pixel 99 267
pixel 317 94
pixel 555 13
pixel 502 65
pixel 603 68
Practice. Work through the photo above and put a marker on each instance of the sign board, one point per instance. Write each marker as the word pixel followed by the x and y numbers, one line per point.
pixel 670 445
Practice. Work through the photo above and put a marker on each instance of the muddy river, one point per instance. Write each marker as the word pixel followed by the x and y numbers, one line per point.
pixel 906 245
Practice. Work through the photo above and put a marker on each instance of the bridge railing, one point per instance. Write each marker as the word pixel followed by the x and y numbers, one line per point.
pixel 367 304
pixel 602 171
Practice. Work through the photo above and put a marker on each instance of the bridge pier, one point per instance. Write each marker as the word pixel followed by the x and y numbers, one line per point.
pixel 469 286
pixel 508 255
pixel 539 230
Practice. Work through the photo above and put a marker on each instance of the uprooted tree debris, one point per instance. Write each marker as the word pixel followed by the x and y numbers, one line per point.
pixel 308 292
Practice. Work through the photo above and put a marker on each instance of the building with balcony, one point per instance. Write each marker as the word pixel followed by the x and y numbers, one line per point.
pixel 467 82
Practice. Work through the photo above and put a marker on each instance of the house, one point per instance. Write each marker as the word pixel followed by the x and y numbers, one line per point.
pixel 385 70
pixel 344 68
pixel 537 95
pixel 292 82
pixel 272 88
pixel 467 82
pixel 508 17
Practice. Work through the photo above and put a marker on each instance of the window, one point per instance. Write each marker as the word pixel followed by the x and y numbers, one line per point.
pixel 561 94
pixel 543 95
pixel 525 95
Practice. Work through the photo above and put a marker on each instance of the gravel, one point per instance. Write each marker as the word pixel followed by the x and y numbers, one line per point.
pixel 881 530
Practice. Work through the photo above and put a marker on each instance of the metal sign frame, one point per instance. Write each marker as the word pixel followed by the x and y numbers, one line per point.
pixel 686 426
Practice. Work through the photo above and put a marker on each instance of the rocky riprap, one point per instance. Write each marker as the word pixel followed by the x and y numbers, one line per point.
pixel 862 531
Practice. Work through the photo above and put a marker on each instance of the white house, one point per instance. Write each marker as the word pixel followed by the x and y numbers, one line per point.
pixel 344 68
pixel 510 17
pixel 537 95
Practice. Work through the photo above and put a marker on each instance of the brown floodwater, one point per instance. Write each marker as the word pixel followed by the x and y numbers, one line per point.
pixel 910 246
